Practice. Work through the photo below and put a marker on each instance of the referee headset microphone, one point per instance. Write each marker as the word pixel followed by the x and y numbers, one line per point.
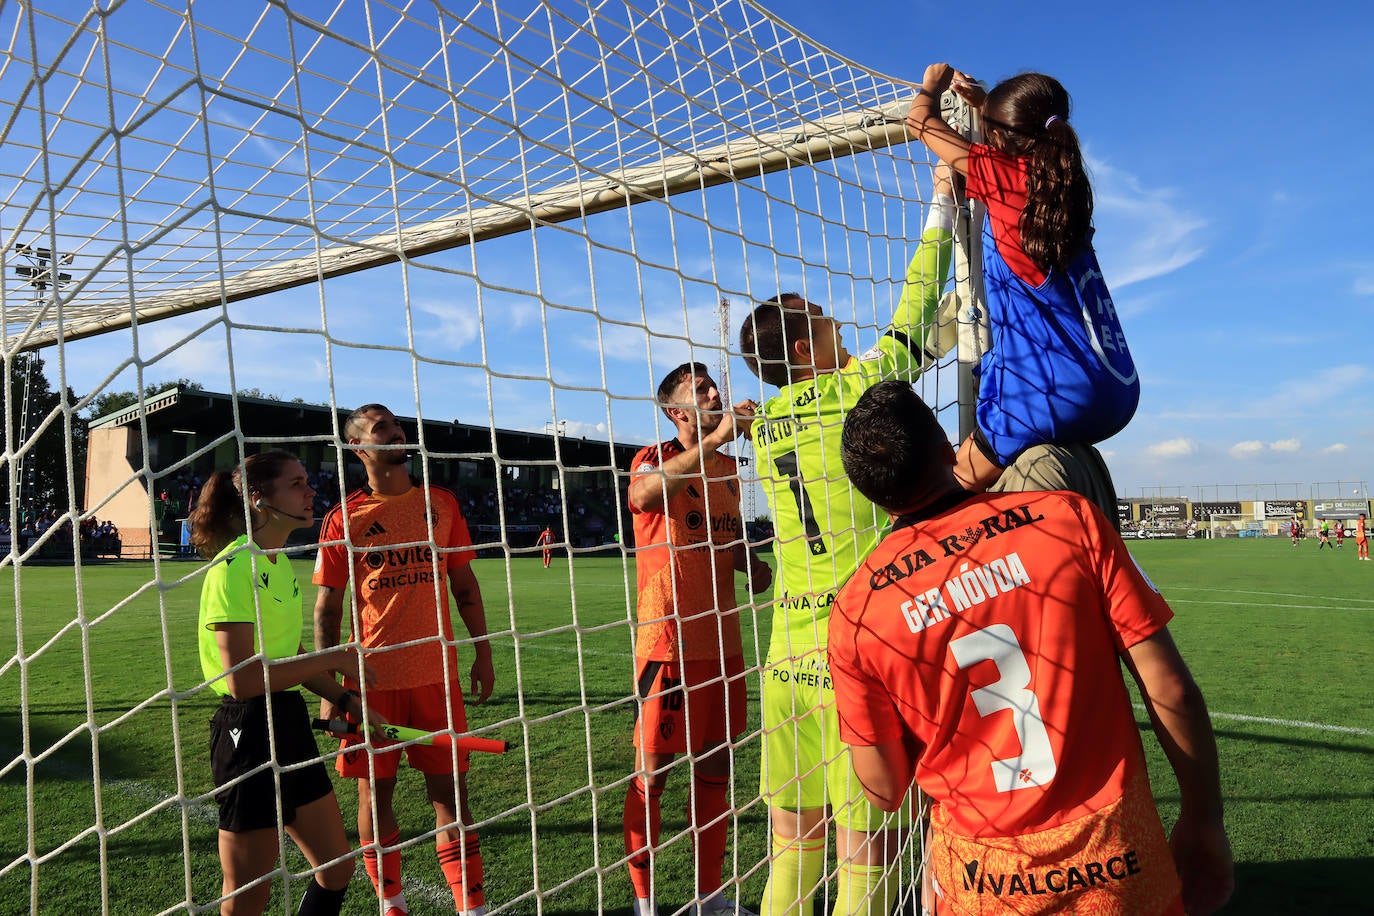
pixel 262 504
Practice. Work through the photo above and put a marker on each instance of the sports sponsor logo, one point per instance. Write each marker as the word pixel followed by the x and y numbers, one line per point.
pixel 1076 877
pixel 814 671
pixel 990 527
pixel 1203 512
pixel 404 566
pixel 235 734
pixel 374 530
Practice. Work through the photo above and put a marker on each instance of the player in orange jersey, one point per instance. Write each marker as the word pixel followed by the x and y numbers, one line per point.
pixel 689 659
pixel 1361 539
pixel 400 615
pixel 545 540
pixel 976 652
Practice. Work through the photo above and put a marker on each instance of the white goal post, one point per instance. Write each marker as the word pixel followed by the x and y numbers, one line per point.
pixel 224 225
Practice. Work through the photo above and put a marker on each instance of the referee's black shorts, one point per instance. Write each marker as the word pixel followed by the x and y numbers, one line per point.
pixel 239 745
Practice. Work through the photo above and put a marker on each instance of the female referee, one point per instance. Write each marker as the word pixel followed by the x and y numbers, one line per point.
pixel 250 648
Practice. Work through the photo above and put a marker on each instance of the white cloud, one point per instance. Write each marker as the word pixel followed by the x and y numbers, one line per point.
pixel 458 324
pixel 1173 448
pixel 1247 449
pixel 1336 449
pixel 1143 233
pixel 576 429
pixel 1286 445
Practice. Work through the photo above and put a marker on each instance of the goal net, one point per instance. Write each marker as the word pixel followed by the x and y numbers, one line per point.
pixel 225 225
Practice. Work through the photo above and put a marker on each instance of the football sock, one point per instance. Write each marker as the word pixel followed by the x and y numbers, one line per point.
pixel 941 214
pixel 792 876
pixel 709 800
pixel 388 880
pixel 865 890
pixel 461 863
pixel 321 901
pixel 641 833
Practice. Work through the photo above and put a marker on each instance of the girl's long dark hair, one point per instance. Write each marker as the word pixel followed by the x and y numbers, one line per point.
pixel 218 516
pixel 1031 114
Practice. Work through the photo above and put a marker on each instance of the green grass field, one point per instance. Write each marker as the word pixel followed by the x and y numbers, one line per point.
pixel 1280 639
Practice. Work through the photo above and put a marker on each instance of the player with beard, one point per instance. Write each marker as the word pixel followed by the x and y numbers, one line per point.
pixel 689 658
pixel 400 615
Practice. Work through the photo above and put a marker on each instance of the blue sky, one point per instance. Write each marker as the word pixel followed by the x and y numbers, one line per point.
pixel 1228 154
pixel 1229 146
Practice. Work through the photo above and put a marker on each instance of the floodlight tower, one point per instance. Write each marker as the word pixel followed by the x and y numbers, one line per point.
pixel 40 272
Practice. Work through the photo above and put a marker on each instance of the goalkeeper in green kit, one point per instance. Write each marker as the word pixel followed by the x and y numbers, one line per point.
pixel 824 530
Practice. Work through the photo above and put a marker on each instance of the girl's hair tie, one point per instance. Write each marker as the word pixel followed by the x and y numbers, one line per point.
pixel 1050 120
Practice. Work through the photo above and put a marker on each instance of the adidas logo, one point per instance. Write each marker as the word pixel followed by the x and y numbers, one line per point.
pixel 374 530
pixel 236 734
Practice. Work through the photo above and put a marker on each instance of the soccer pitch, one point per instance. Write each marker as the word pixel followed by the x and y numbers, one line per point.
pixel 1279 637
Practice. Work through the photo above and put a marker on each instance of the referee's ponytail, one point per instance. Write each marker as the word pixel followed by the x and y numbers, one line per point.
pixel 220 510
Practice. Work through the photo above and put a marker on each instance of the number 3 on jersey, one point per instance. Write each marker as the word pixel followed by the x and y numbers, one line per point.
pixel 1035 766
pixel 787 467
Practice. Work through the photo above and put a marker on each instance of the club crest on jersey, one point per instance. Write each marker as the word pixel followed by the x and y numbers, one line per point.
pixel 666 729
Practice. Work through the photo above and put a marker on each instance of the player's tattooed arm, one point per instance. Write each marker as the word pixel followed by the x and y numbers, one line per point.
pixel 328 625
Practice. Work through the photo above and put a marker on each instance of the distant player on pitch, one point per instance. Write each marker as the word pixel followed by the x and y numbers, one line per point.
pixel 689 660
pixel 977 652
pixel 545 540
pixel 1361 539
pixel 399 596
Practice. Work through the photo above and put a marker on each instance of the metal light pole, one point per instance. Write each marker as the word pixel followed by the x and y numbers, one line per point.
pixel 40 272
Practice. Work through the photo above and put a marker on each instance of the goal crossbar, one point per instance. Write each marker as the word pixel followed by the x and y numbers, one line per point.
pixel 808 143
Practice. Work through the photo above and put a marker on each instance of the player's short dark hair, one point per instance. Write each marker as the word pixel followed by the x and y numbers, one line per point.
pixel 668 386
pixel 350 426
pixel 893 448
pixel 767 335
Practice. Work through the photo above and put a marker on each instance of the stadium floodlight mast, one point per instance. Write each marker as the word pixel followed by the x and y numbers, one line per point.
pixel 40 272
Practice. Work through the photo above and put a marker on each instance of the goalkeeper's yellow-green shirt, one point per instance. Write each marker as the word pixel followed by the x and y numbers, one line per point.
pixel 823 527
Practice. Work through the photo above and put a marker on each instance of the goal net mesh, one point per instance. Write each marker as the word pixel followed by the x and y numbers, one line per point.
pixel 507 218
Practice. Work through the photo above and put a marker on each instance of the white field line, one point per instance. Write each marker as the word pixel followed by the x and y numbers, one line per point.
pixel 1290 723
pixel 1335 600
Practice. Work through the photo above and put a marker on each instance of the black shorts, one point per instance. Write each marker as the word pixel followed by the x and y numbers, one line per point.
pixel 239 745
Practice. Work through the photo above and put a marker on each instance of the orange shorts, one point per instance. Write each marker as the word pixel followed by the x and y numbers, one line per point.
pixel 1114 861
pixel 424 707
pixel 689 705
